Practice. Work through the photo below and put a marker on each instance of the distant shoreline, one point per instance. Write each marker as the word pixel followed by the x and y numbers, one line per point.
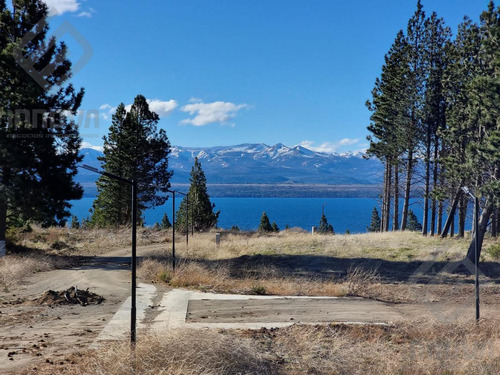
pixel 277 190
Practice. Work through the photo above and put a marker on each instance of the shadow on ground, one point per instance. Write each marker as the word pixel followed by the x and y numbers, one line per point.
pixel 327 267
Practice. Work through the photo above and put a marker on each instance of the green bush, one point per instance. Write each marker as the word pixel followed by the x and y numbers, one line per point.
pixel 494 251
pixel 259 290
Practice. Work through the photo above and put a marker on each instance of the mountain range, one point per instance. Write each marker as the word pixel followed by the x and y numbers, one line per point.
pixel 260 164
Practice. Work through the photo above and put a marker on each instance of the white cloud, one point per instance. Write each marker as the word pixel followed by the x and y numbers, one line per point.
pixel 106 111
pixel 87 13
pixel 59 7
pixel 89 145
pixel 105 107
pixel 84 14
pixel 329 147
pixel 207 113
pixel 348 141
pixel 162 108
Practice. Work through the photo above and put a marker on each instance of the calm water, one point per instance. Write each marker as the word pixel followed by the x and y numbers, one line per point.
pixel 353 214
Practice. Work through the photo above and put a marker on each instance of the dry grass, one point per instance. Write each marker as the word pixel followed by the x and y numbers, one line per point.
pixel 85 242
pixel 219 277
pixel 13 268
pixel 392 246
pixel 420 348
pixel 291 263
pixel 181 352
pixel 417 348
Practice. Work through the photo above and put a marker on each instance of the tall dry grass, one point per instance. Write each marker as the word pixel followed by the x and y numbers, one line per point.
pixel 85 242
pixel 408 349
pixel 218 277
pixel 394 246
pixel 13 268
pixel 419 348
pixel 180 352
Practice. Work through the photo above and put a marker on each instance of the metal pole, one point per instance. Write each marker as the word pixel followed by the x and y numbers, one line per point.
pixel 173 230
pixel 133 310
pixel 187 220
pixel 476 246
pixel 134 263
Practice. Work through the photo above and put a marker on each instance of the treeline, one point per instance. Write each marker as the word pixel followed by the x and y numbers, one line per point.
pixel 435 122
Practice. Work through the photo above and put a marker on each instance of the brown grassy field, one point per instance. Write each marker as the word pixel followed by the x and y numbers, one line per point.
pixel 291 263
pixel 383 266
pixel 419 348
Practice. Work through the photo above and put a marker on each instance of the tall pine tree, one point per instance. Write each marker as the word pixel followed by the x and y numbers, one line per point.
pixel 201 214
pixel 437 37
pixel 38 142
pixel 134 149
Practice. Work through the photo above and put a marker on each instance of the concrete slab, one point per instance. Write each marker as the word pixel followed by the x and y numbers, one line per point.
pixel 189 309
pixel 118 327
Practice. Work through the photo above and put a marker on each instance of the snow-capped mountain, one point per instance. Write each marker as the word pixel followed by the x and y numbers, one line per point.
pixel 261 164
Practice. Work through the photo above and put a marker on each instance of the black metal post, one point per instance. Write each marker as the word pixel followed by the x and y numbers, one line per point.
pixel 187 220
pixel 173 230
pixel 476 246
pixel 133 309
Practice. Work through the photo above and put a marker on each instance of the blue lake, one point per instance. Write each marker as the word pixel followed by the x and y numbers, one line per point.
pixel 351 214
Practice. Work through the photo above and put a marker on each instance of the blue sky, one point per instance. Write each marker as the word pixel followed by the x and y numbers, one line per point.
pixel 227 72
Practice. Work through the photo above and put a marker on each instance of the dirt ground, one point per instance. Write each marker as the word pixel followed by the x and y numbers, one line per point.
pixel 39 334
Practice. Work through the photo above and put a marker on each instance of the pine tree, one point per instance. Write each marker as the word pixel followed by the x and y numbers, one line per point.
pixel 75 224
pixel 275 227
pixel 265 225
pixel 389 120
pixel 484 149
pixel 324 227
pixel 434 112
pixel 413 223
pixel 37 163
pixel 136 150
pixel 201 214
pixel 165 222
pixel 414 99
pixel 463 67
pixel 375 221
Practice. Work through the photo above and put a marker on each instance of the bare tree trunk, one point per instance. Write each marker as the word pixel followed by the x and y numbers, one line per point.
pixel 3 224
pixel 395 215
pixel 434 183
pixel 451 216
pixel 462 213
pixel 494 223
pixel 425 220
pixel 384 199
pixel 441 205
pixel 483 224
pixel 3 210
pixel 452 227
pixel 440 218
pixel 388 198
pixel 406 202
